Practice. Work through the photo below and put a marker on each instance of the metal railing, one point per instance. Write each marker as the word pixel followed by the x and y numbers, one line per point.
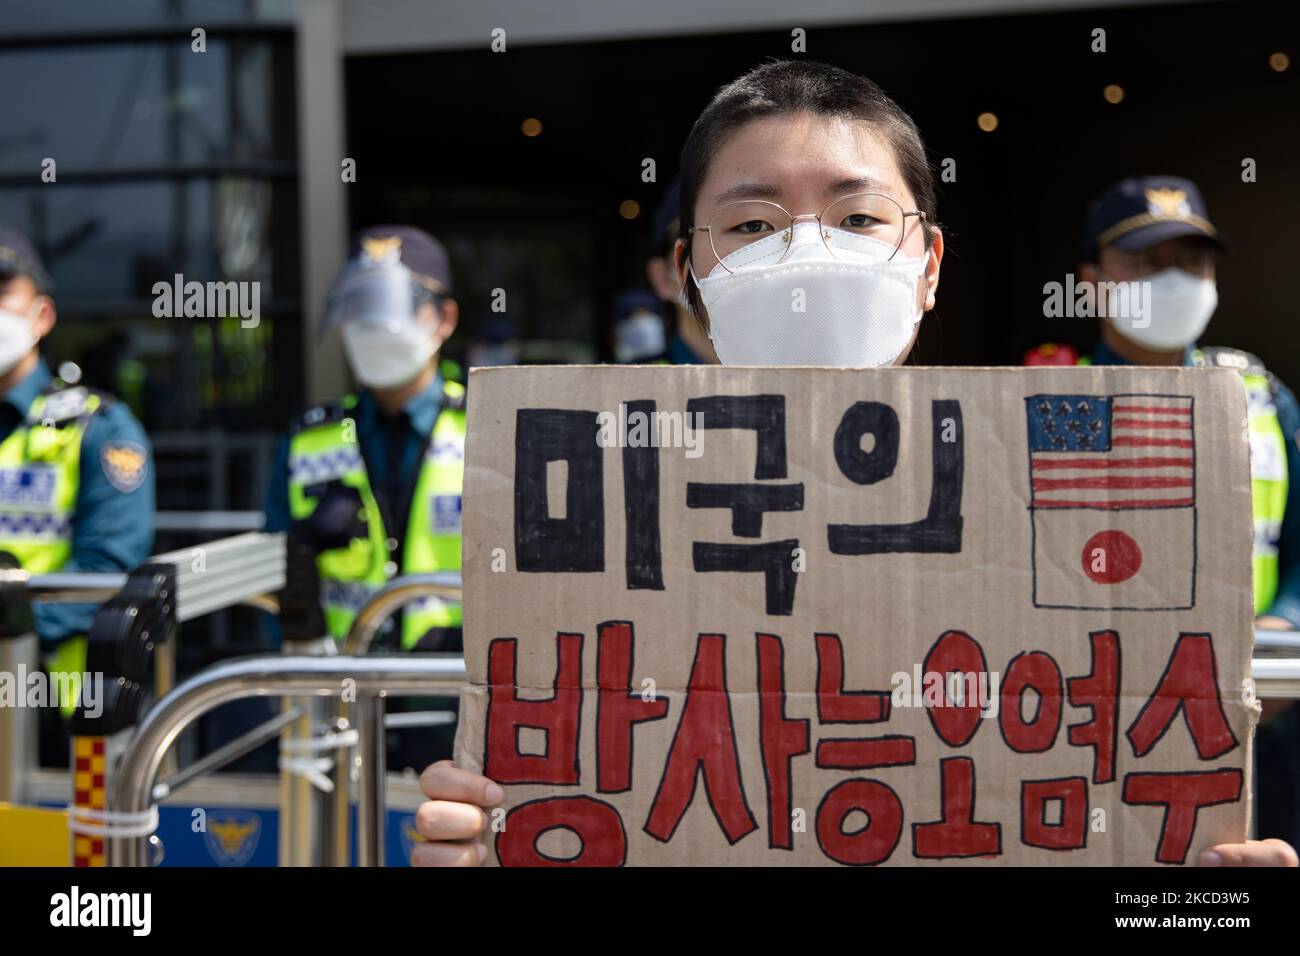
pixel 334 822
pixel 374 679
pixel 1278 641
pixel 230 521
pixel 398 593
pixel 1276 678
pixel 244 567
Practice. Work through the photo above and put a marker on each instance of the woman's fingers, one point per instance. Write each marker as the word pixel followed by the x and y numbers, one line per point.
pixel 453 817
pixel 1250 853
pixel 444 820
pixel 448 854
pixel 443 781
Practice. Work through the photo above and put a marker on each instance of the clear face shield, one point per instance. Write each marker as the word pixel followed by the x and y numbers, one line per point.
pixel 383 294
pixel 374 304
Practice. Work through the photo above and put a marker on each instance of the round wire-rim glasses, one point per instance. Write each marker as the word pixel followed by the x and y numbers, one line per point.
pixel 858 201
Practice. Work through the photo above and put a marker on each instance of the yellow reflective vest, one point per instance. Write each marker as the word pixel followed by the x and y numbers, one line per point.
pixel 1268 469
pixel 40 475
pixel 324 449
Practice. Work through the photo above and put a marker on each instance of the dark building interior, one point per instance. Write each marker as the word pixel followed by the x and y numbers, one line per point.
pixel 438 141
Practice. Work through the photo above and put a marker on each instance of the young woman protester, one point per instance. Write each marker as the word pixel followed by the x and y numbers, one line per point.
pixel 813 180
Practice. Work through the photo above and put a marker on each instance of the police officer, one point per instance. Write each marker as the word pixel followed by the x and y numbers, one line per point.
pixel 1155 231
pixel 372 482
pixel 639 337
pixel 76 481
pixel 688 344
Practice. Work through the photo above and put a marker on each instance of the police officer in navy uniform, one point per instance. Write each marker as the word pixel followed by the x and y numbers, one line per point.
pixel 76 479
pixel 1156 230
pixel 639 336
pixel 372 482
pixel 688 343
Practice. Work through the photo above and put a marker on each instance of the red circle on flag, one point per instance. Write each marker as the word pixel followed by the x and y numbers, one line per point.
pixel 1110 557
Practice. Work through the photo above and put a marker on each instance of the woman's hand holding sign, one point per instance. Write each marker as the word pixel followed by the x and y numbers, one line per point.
pixel 1250 853
pixel 453 817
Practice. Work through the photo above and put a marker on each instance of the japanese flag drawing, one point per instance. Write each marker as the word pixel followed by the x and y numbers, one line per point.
pixel 1112 501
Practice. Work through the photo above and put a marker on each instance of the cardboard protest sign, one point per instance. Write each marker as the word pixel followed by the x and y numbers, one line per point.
pixel 901 616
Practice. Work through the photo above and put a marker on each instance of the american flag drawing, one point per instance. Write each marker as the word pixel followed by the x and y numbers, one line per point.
pixel 1112 500
pixel 1133 451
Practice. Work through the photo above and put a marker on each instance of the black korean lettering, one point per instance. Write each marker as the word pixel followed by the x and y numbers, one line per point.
pixel 764 414
pixel 867 418
pixel 575 542
pixel 644 561
pixel 940 530
pixel 772 558
pixel 747 502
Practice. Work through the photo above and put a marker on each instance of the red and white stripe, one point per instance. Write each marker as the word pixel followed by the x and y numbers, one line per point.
pixel 1150 463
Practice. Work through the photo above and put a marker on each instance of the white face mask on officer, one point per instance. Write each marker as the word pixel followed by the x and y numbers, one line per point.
pixel 388 356
pixel 1178 308
pixel 16 338
pixel 639 337
pixel 857 308
pixel 375 304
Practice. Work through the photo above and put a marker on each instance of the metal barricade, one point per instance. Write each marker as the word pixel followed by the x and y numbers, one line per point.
pixel 136 624
pixel 374 679
pixel 398 593
pixel 334 823
pixel 1276 665
pixel 1276 678
pixel 245 568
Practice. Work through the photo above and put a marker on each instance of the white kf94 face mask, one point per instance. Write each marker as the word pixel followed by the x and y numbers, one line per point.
pixel 856 308
pixel 384 357
pixel 1178 308
pixel 16 339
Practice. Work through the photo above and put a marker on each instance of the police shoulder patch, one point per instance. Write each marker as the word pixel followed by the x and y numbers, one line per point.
pixel 125 464
pixel 59 405
pixel 1244 362
pixel 66 403
pixel 320 415
pixel 1239 359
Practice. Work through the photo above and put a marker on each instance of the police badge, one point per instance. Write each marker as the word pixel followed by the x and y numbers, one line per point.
pixel 124 464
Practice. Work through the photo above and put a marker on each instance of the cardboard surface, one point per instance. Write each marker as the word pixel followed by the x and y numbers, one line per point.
pixel 901 616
